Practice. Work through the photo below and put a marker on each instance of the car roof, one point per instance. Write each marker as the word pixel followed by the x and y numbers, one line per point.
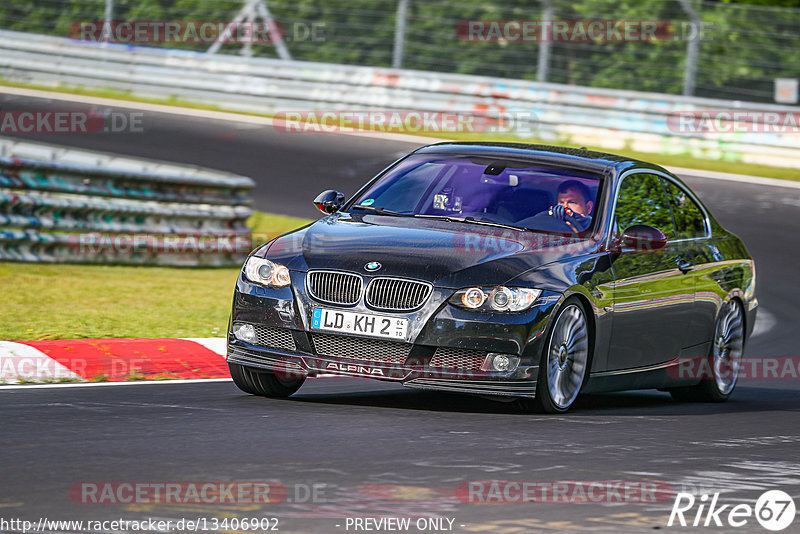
pixel 577 158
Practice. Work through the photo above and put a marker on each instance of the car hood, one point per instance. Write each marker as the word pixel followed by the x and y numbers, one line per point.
pixel 447 254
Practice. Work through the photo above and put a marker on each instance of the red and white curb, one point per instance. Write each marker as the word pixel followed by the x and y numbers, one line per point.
pixel 112 360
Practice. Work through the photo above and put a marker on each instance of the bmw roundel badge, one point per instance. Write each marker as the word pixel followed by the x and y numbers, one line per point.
pixel 372 266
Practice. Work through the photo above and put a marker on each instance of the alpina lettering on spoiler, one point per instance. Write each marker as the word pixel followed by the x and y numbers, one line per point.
pixel 351 368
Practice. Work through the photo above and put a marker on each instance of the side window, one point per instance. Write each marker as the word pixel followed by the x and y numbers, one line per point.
pixel 641 200
pixel 689 218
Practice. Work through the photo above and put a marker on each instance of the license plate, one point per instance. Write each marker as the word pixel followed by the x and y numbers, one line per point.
pixel 359 323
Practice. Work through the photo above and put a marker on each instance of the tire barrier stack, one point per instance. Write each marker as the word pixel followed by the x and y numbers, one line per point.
pixel 67 206
pixel 611 119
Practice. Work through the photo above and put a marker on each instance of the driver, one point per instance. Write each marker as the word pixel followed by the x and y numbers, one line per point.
pixel 574 205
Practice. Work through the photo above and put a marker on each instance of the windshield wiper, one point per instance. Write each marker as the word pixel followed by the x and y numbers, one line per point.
pixel 497 224
pixel 472 220
pixel 469 220
pixel 382 211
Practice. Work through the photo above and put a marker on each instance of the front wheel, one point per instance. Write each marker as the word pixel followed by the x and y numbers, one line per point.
pixel 564 364
pixel 263 383
pixel 724 359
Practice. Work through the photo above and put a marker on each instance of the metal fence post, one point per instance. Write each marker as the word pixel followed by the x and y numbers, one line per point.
pixel 400 34
pixel 274 32
pixel 108 17
pixel 543 66
pixel 250 10
pixel 692 48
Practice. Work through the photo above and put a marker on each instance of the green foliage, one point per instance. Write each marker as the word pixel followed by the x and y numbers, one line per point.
pixel 642 201
pixel 745 45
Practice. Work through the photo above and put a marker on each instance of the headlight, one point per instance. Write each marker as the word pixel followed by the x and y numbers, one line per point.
pixel 495 299
pixel 473 298
pixel 268 273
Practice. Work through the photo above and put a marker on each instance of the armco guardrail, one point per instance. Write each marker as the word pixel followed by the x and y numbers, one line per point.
pixel 646 122
pixel 64 205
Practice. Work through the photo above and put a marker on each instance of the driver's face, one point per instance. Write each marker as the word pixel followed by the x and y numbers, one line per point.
pixel 573 199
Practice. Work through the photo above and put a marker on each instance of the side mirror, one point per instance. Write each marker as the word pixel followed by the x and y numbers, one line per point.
pixel 643 238
pixel 329 201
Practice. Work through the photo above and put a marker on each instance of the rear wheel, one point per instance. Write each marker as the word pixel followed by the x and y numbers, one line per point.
pixel 263 383
pixel 724 359
pixel 565 362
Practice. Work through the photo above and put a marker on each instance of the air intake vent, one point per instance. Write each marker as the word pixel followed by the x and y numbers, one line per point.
pixel 276 338
pixel 461 359
pixel 335 287
pixel 397 294
pixel 358 348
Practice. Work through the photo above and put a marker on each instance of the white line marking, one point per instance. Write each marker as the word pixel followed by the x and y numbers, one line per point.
pixel 742 178
pixel 765 321
pixel 106 384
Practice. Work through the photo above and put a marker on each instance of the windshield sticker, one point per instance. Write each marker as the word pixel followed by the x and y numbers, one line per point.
pixel 444 202
pixel 368 202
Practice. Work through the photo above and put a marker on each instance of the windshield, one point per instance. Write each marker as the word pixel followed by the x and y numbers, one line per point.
pixel 480 189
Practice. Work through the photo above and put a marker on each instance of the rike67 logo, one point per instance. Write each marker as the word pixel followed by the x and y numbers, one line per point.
pixel 774 510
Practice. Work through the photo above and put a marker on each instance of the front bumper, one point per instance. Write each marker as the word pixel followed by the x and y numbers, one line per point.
pixel 444 349
pixel 296 365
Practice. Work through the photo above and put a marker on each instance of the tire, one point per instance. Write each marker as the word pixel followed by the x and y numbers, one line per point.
pixel 264 383
pixel 724 359
pixel 564 363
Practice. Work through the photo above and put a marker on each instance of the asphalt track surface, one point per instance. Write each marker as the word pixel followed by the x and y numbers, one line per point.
pixel 379 449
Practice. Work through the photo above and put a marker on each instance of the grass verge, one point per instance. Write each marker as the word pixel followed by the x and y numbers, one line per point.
pixel 43 301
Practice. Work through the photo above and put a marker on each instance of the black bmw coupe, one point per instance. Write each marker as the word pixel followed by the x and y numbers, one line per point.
pixel 523 272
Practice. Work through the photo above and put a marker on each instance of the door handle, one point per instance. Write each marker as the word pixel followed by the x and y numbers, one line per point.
pixel 684 265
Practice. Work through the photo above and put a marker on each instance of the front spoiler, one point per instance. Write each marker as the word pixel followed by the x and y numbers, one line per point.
pixel 299 365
